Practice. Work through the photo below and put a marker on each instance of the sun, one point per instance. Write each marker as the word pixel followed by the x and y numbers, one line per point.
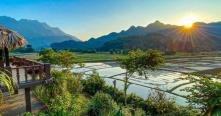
pixel 188 21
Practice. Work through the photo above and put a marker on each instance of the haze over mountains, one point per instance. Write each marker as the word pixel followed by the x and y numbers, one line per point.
pixel 37 34
pixel 201 37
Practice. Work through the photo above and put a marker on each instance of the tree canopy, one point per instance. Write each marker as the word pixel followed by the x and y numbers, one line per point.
pixel 140 61
pixel 62 58
pixel 206 93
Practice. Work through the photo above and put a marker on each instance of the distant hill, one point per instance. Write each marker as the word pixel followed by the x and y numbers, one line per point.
pixel 151 40
pixel 70 44
pixel 132 31
pixel 201 37
pixel 37 34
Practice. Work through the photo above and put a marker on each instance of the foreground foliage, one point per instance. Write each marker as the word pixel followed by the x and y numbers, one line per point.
pixel 100 99
pixel 62 58
pixel 140 62
pixel 71 94
pixel 206 93
pixel 102 105
pixel 6 82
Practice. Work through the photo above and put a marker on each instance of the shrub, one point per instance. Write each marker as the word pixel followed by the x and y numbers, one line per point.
pixel 41 93
pixel 38 114
pixel 102 104
pixel 63 82
pixel 129 111
pixel 6 82
pixel 159 103
pixel 116 94
pixel 59 85
pixel 134 100
pixel 74 83
pixel 93 84
pixel 61 103
pixel 79 105
pixel 52 90
pixel 206 92
pixel 139 112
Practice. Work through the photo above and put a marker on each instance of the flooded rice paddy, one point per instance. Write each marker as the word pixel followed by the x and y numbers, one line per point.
pixel 168 79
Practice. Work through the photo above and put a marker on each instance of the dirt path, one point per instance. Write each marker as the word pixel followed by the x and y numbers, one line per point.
pixel 14 105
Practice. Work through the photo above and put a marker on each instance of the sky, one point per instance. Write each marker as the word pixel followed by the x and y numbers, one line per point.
pixel 93 18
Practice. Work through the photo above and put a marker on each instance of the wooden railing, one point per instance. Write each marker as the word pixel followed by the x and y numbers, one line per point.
pixel 27 73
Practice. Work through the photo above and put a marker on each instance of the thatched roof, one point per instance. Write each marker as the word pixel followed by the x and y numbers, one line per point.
pixel 11 39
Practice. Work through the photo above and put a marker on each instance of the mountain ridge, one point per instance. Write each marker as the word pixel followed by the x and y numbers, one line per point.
pixel 139 30
pixel 38 34
pixel 204 37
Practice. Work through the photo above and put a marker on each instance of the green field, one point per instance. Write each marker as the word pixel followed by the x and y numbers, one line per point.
pixel 96 57
pixel 90 57
pixel 85 57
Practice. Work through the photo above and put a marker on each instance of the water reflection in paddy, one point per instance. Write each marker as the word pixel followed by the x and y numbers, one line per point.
pixel 169 78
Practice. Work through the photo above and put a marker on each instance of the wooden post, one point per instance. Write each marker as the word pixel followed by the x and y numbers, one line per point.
pixel 18 79
pixel 40 69
pixel 114 82
pixel 28 99
pixel 7 57
pixel 26 75
pixel 47 70
pixel 1 58
pixel 33 73
pixel 18 75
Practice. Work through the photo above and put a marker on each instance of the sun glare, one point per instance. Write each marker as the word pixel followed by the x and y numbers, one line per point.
pixel 188 21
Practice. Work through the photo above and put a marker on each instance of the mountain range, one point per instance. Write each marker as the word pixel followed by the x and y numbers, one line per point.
pixel 200 37
pixel 38 34
pixel 166 37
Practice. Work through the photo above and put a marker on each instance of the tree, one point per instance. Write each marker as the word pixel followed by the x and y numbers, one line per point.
pixel 47 56
pixel 63 58
pixel 29 49
pixel 66 59
pixel 206 93
pixel 140 62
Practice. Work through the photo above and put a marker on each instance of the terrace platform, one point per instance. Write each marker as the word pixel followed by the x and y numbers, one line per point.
pixel 14 105
pixel 26 75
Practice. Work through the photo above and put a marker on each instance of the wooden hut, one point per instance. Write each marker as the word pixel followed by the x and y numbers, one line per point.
pixel 23 71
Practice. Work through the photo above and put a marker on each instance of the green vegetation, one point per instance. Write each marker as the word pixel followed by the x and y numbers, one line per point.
pixel 62 58
pixel 30 56
pixel 102 104
pixel 106 101
pixel 71 94
pixel 54 57
pixel 6 81
pixel 97 56
pixel 27 49
pixel 94 84
pixel 139 62
pixel 206 93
